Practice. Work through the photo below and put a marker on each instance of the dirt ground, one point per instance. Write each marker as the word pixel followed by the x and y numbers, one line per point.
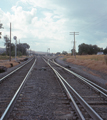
pixel 82 70
pixel 12 63
pixel 96 76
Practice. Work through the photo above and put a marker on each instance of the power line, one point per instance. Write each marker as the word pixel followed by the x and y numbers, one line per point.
pixel 96 22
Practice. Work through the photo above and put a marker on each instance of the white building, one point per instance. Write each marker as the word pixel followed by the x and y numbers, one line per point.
pixel 100 53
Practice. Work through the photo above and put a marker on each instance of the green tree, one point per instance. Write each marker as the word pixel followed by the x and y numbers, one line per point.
pixel 105 50
pixel 7 44
pixel 64 52
pixel 88 49
pixel 22 48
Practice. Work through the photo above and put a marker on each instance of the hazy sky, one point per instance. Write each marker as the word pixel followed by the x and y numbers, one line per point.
pixel 47 24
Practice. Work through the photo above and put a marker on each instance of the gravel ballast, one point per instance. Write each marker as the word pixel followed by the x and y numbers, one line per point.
pixel 42 98
pixel 102 81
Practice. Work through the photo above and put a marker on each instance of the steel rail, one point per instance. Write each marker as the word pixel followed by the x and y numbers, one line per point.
pixel 104 90
pixel 15 95
pixel 88 108
pixel 93 85
pixel 14 71
pixel 67 91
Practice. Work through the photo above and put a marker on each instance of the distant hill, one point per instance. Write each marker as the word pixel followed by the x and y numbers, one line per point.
pixel 36 52
pixel 39 52
pixel 2 50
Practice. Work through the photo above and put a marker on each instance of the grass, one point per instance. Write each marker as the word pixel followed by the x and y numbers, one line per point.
pixel 95 62
pixel 64 59
pixel 7 57
pixel 4 57
pixel 4 61
pixel 105 59
pixel 7 63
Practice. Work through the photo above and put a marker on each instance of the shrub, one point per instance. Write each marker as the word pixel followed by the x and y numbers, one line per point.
pixel 64 53
pixel 105 59
pixel 4 54
pixel 64 59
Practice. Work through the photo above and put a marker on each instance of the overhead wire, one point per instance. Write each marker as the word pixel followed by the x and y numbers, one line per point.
pixel 96 22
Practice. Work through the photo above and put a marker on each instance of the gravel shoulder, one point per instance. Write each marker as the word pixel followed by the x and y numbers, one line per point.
pixel 95 76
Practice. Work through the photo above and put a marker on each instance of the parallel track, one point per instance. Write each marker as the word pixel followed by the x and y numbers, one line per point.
pixel 43 97
pixel 1 79
pixel 88 100
pixel 11 86
pixel 91 99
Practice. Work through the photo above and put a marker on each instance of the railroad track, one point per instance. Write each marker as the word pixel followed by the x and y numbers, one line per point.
pixel 44 97
pixel 90 100
pixel 11 85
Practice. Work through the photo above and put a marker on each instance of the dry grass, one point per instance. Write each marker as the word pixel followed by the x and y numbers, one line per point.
pixel 4 57
pixel 95 62
pixel 8 63
pixel 4 61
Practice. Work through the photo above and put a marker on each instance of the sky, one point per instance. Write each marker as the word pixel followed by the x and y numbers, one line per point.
pixel 47 24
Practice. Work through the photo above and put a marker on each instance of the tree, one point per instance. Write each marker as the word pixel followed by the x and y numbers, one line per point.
pixel 22 48
pixel 83 49
pixel 64 52
pixel 95 49
pixel 58 53
pixel 88 49
pixel 12 47
pixel 7 44
pixel 105 50
pixel 25 45
pixel 73 51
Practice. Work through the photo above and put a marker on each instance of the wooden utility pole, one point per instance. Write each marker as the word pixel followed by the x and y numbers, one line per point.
pixel 0 28
pixel 74 49
pixel 10 42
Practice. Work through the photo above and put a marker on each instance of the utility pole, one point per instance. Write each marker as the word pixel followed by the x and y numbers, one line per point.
pixel 30 52
pixel 10 42
pixel 18 48
pixel 49 50
pixel 74 49
pixel 0 28
pixel 0 34
pixel 15 38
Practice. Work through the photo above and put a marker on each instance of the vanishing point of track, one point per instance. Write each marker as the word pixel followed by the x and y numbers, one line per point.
pixel 73 97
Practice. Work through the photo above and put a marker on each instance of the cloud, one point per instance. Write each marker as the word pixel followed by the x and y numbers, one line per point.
pixel 26 25
pixel 48 23
pixel 22 16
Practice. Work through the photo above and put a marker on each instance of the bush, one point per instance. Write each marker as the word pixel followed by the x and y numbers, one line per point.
pixel 4 54
pixel 105 59
pixel 12 53
pixel 64 52
pixel 18 53
pixel 64 59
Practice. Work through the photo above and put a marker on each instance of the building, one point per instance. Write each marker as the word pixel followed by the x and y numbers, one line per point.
pixel 100 53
